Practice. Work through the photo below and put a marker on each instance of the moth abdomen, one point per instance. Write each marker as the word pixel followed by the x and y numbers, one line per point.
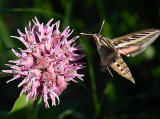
pixel 121 67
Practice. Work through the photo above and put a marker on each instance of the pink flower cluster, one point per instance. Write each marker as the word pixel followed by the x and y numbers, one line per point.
pixel 48 63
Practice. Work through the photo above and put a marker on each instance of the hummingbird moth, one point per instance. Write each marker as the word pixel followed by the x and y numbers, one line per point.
pixel 110 50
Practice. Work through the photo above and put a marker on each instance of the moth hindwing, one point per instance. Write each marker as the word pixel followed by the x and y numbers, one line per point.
pixel 130 45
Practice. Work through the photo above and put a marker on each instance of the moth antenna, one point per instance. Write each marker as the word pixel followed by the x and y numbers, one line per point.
pixel 86 34
pixel 101 27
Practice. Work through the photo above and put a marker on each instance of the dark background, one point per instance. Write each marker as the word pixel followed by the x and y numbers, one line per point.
pixel 99 96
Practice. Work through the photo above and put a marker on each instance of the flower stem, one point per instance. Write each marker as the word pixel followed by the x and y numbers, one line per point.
pixel 88 52
pixel 93 85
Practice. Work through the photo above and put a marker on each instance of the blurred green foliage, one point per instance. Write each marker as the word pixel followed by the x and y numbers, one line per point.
pixel 99 96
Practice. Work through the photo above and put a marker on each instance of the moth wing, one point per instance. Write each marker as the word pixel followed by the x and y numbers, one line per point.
pixel 107 55
pixel 134 43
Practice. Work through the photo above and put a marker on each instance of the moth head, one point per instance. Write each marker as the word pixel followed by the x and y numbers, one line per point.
pixel 95 36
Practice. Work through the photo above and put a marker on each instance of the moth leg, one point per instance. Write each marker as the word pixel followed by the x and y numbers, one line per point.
pixel 104 69
pixel 109 71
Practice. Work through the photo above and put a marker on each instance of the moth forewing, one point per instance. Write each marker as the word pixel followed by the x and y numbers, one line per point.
pixel 107 55
pixel 134 43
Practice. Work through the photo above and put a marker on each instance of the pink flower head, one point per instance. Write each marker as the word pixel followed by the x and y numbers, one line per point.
pixel 48 63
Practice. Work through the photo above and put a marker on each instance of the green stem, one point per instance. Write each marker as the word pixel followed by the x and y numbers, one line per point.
pixel 35 108
pixel 88 52
pixel 93 85
pixel 68 13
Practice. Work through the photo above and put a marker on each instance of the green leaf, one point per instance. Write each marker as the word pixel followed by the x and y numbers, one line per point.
pixel 23 109
pixel 32 10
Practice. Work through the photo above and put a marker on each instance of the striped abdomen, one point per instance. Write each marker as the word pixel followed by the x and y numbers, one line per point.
pixel 120 66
